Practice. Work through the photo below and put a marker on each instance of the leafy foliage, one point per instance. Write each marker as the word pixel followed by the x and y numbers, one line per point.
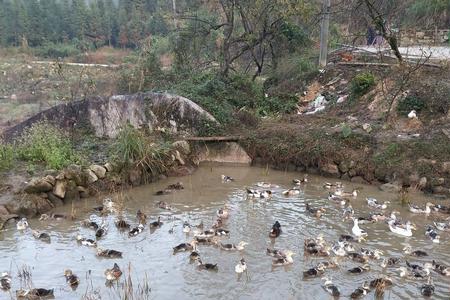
pixel 410 103
pixel 7 155
pixel 362 83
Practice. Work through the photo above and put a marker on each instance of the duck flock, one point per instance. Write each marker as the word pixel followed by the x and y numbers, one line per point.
pixel 329 254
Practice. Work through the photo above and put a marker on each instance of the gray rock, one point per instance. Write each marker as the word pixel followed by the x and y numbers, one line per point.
pixel 60 189
pixel 50 179
pixel 329 169
pixel 98 170
pixel 83 192
pixel 56 201
pixel 109 167
pixel 183 146
pixel 446 167
pixel 390 187
pixel 38 185
pixel 73 172
pixel 91 177
pixel 422 183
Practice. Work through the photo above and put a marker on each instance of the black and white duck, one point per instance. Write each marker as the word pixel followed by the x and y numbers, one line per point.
pixel 348 212
pixel 427 289
pixel 415 209
pixel 359 269
pixel 109 253
pixel 183 247
pixel 291 192
pixel 207 266
pixel 390 262
pixel 441 268
pixel 442 226
pixel 259 194
pixel 5 281
pixel 316 212
pixel 432 234
pixel 114 273
pixel 221 232
pixel 223 213
pixel 241 267
pixel 360 292
pixel 71 278
pixel 314 272
pixel 42 236
pixel 176 186
pixel 102 231
pixel 22 224
pixel 136 230
pixel 330 287
pixel 276 230
pixel 337 199
pixel 36 293
pixel 233 247
pixel 301 180
pixel 358 257
pixel 276 253
pixel 86 242
pixel 285 260
pixel 372 202
pixel 372 254
pixel 226 178
pixel 341 193
pixel 186 227
pixel 156 224
pixel 89 223
pixel 330 185
pixel 164 205
pixel 418 253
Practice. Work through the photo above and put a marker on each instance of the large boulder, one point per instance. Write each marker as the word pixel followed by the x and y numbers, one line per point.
pixel 91 177
pixel 329 169
pixel 38 185
pixel 60 189
pixel 99 171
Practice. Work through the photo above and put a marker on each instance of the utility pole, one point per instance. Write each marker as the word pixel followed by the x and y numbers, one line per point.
pixel 174 8
pixel 324 29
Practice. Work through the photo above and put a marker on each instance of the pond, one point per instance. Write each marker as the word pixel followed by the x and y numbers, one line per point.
pixel 156 273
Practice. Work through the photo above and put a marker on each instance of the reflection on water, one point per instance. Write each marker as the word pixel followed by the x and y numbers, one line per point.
pixel 149 255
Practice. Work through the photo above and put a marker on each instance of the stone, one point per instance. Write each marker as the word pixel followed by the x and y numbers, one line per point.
pixel 179 158
pixel 91 177
pixel 446 167
pixel 440 190
pixel 60 176
pixel 135 177
pixel 183 146
pixel 60 189
pixel 38 185
pixel 51 172
pixel 359 179
pixel 56 201
pixel 22 206
pixel 3 210
pixel 227 152
pixel 73 171
pixel 109 167
pixel 72 194
pixel 43 205
pixel 329 169
pixel 98 170
pixel 422 183
pixel 367 127
pixel 50 179
pixel 84 193
pixel 43 195
pixel 390 187
pixel 344 166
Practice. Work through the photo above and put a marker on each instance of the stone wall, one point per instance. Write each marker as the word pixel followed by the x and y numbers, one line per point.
pixel 424 37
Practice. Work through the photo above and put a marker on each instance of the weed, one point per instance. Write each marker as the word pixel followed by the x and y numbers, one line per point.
pixel 410 103
pixel 7 155
pixel 362 83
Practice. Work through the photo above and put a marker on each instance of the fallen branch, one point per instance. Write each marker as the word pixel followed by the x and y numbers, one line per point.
pixel 76 64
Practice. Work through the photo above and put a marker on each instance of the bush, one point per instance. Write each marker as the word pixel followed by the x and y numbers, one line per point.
pixel 133 148
pixel 52 50
pixel 410 103
pixel 6 156
pixel 362 83
pixel 43 142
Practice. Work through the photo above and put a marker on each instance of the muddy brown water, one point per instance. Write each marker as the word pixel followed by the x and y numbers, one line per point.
pixel 148 256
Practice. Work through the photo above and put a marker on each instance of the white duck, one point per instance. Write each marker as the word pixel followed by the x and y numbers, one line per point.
pixel 415 209
pixel 372 202
pixel 412 114
pixel 22 224
pixel 399 229
pixel 432 234
pixel 356 230
pixel 241 267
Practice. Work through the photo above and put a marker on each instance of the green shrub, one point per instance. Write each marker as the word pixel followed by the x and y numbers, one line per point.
pixel 43 142
pixel 133 148
pixel 410 103
pixel 52 50
pixel 6 156
pixel 362 83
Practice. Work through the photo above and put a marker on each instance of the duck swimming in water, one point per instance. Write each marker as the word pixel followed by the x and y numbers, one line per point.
pixel 314 272
pixel 136 230
pixel 223 213
pixel 90 224
pixel 341 193
pixel 418 253
pixel 231 247
pixel 22 224
pixel 109 253
pixel 183 247
pixel 276 230
pixel 259 194
pixel 432 234
pixel 389 262
pixel 276 253
pixel 176 186
pixel 348 212
pixel 241 267
pixel 361 291
pixel 207 266
pixel 356 230
pixel 337 199
pixel 329 185
pixel 301 181
pixel 400 230
pixel 102 231
pixel 5 281
pixel 372 202
pixel 285 260
pixel 316 212
pixel 186 227
pixel 156 224
pixel 359 269
pixel 372 254
pixel 441 268
pixel 349 238
pixel 291 192
pixel 442 226
pixel 114 273
pixel 358 257
pixel 427 289
pixel 141 217
pixel 32 294
pixel 71 278
pixel 415 209
pixel 86 242
pixel 226 178
pixel 164 205
pixel 42 236
pixel 267 185
pixel 330 287
pixel 122 224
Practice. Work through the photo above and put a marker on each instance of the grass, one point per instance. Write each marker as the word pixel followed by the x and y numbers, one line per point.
pixel 7 156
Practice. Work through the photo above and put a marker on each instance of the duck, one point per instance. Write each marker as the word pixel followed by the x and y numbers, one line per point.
pixel 267 185
pixel 432 234
pixel 207 266
pixel 314 272
pixel 221 232
pixel 71 278
pixel 349 238
pixel 164 205
pixel 400 230
pixel 316 212
pixel 141 217
pixel 356 230
pixel 300 181
pixel 205 234
pixel 183 247
pixel 427 289
pixel 90 224
pixel 316 247
pixel 361 291
pixel 291 192
pixel 389 262
pixel 109 205
pixel 176 186
pixel 114 273
pixel 418 253
pixel 43 236
pixel 372 254
pixel 416 267
pixel 259 194
pixel 329 185
pixel 136 230
pixel 231 247
pixel 22 224
pixel 163 192
pixel 86 242
pixel 109 253
pixel 403 272
pixel 241 267
pixel 186 227
pixel 377 217
pixel 441 208
pixel 330 287
pixel 382 281
pixel 226 178
pixel 341 193
pixel 223 213
pixel 276 253
pixel 359 269
pixel 156 224
pixel 412 114
pixel 329 264
pixel 57 217
pixel 348 212
pixel 285 260
pixel 102 231
pixel 276 230
pixel 37 293
pixel 5 281
pixel 441 268
pixel 341 248
pixel 337 199
pixel 194 254
pixel 442 226
pixel 365 220
pixel 206 240
pixel 372 202
pixel 122 224
pixel 415 209
pixel 358 257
